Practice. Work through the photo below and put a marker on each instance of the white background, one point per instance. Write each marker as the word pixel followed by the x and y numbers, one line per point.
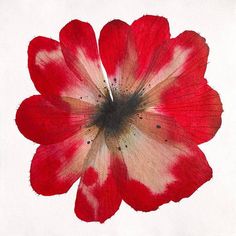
pixel 211 211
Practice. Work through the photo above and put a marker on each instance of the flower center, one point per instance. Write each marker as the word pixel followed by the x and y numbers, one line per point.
pixel 112 116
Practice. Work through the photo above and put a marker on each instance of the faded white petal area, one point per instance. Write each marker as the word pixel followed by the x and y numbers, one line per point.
pixel 44 57
pixel 149 160
pixel 97 197
pixel 174 67
pixel 99 157
pixel 87 191
pixel 90 70
pixel 81 155
pixel 76 87
pixel 155 81
pixel 155 84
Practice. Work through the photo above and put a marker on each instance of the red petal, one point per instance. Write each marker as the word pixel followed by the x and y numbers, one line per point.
pixel 125 52
pixel 97 197
pixel 195 106
pixel 56 167
pixel 149 33
pixel 47 67
pixel 51 75
pixel 119 56
pixel 79 48
pixel 113 45
pixel 99 202
pixel 159 163
pixel 45 122
pixel 183 56
pixel 175 86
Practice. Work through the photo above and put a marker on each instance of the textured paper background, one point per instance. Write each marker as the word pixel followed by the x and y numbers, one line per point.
pixel 210 211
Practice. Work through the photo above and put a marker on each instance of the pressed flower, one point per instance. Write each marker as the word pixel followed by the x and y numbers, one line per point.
pixel 134 141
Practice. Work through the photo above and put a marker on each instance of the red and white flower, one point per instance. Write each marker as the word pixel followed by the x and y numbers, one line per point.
pixel 139 146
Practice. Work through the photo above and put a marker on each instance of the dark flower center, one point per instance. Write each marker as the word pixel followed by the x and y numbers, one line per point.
pixel 112 116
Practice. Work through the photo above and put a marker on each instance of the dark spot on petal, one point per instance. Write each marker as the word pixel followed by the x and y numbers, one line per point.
pixel 158 126
pixel 126 146
pixel 88 142
pixel 80 97
pixel 119 148
pixel 165 140
pixel 100 95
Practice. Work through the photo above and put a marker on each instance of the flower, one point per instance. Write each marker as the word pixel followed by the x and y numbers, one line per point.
pixel 137 144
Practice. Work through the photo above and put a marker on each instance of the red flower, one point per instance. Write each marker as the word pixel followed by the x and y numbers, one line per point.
pixel 140 146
